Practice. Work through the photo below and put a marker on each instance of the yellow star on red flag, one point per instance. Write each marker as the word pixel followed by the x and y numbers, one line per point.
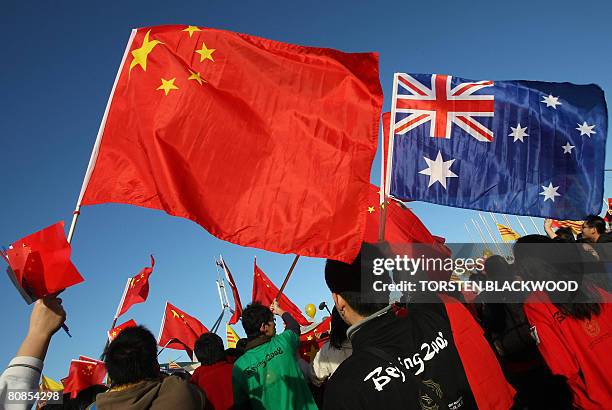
pixel 191 29
pixel 167 85
pixel 140 54
pixel 205 53
pixel 196 76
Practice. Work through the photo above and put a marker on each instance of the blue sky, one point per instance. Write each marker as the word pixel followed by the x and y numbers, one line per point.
pixel 59 62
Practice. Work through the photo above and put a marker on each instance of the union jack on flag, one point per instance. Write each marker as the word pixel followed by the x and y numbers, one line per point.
pixel 443 106
pixel 512 147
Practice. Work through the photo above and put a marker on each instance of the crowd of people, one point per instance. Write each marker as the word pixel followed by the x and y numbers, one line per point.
pixel 532 351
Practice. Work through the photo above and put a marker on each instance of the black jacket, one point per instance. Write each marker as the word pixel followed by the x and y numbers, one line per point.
pixel 424 343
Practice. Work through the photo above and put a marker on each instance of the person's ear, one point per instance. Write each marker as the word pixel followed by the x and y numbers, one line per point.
pixel 262 328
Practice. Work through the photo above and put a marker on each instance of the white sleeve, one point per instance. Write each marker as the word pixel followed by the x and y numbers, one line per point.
pixel 22 373
pixel 320 366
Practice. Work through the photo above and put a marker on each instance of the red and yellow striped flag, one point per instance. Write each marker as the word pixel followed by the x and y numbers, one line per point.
pixel 575 226
pixel 232 337
pixel 507 234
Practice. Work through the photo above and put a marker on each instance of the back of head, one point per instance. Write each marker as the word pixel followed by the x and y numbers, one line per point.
pixel 337 335
pixel 354 281
pixel 132 357
pixel 597 222
pixel 565 235
pixel 209 349
pixel 253 316
pixel 497 268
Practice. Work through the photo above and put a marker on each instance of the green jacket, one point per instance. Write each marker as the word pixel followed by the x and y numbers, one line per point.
pixel 268 376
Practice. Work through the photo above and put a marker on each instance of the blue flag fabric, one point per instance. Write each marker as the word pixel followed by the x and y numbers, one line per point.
pixel 514 147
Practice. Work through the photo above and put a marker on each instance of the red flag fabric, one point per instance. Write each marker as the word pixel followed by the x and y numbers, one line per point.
pixel 179 330
pixel 83 374
pixel 237 304
pixel 114 332
pixel 265 292
pixel 137 289
pixel 262 143
pixel 40 263
pixel 386 124
pixel 313 338
pixel 402 225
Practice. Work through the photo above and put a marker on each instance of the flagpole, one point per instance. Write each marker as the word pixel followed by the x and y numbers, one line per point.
pixel 509 251
pixel 215 326
pixel 471 236
pixel 282 288
pixel 384 190
pixel 521 224
pixel 125 289
pixel 535 226
pixel 490 233
pixel 96 148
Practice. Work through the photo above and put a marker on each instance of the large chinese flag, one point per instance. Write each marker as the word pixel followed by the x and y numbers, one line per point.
pixel 83 374
pixel 264 144
pixel 264 292
pixel 40 262
pixel 313 338
pixel 237 304
pixel 137 289
pixel 179 330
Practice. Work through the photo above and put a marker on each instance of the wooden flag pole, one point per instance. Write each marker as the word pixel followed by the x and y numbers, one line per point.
pixel 282 288
pixel 96 147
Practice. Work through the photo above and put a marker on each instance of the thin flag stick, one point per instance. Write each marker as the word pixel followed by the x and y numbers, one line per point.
pixel 481 235
pixel 96 147
pixel 499 251
pixel 125 289
pixel 215 326
pixel 166 345
pixel 471 236
pixel 521 224
pixel 534 225
pixel 500 235
pixel 282 288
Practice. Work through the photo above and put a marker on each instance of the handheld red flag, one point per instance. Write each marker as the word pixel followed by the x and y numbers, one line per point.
pixel 262 143
pixel 40 264
pixel 237 304
pixel 264 291
pixel 114 332
pixel 136 290
pixel 313 338
pixel 83 374
pixel 179 330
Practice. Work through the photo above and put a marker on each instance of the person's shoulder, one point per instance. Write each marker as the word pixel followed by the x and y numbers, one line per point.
pixel 179 393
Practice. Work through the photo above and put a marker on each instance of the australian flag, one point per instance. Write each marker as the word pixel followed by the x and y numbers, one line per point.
pixel 514 147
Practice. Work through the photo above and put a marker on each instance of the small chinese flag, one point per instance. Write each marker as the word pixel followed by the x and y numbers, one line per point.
pixel 232 337
pixel 114 332
pixel 237 304
pixel 41 264
pixel 313 338
pixel 83 374
pixel 262 143
pixel 137 289
pixel 264 292
pixel 179 330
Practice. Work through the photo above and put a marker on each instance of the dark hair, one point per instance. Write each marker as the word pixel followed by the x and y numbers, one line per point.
pixel 597 222
pixel 565 235
pixel 347 279
pixel 337 335
pixel 132 356
pixel 209 349
pixel 253 316
pixel 241 344
pixel 558 261
pixel 496 268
